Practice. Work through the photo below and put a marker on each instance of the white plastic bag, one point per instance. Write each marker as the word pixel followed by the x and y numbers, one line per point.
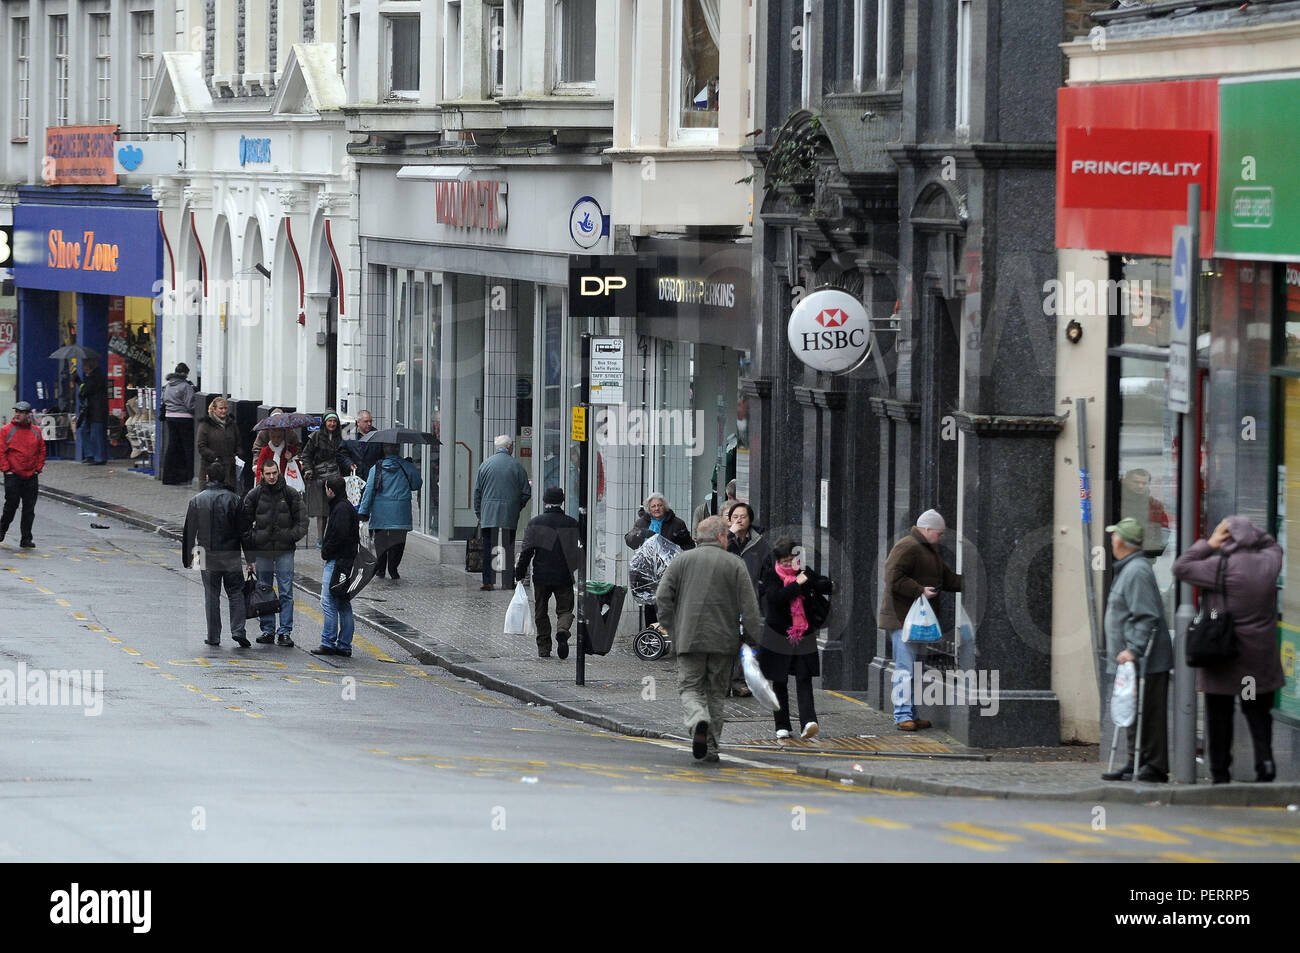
pixel 519 615
pixel 920 624
pixel 1123 699
pixel 356 486
pixel 293 475
pixel 758 685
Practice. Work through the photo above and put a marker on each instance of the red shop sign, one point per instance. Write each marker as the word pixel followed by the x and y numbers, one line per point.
pixel 1134 168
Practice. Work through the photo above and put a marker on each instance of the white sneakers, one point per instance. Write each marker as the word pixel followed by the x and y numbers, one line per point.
pixel 809 730
pixel 782 734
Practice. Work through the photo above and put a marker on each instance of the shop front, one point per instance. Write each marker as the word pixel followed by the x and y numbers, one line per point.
pixel 86 272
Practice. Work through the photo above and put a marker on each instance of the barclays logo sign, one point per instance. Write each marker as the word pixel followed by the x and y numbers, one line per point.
pixel 254 150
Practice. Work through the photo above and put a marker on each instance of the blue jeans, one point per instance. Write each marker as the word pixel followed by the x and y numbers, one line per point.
pixel 901 692
pixel 94 442
pixel 339 624
pixel 277 569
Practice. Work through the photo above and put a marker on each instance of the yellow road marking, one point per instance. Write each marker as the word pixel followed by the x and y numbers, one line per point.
pixel 1180 858
pixel 27 579
pixel 1142 832
pixel 962 827
pixel 113 640
pixel 972 844
pixel 1064 833
pixel 129 651
pixel 215 698
pixel 48 592
pixel 808 810
pixel 64 602
pixel 148 664
pixel 233 708
pixel 847 698
pixel 78 616
pixel 884 822
pixel 733 798
pixel 377 751
pixel 1276 835
pixel 290 678
pixel 95 628
pixel 193 688
pixel 371 649
pixel 1216 835
pixel 253 714
pixel 168 675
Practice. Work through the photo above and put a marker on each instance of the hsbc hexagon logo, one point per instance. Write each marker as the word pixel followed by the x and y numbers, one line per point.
pixel 830 331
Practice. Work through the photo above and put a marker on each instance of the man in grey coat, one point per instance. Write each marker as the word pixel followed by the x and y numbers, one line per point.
pixel 1136 631
pixel 500 493
pixel 705 598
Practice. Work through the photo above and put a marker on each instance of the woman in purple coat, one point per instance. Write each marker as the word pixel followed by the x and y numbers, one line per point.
pixel 1252 561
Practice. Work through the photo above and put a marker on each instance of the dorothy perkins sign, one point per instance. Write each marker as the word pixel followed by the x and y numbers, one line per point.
pixel 1259 179
pixel 830 330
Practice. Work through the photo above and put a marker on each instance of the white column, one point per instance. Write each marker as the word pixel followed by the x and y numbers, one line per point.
pixel 534 67
pixel 471 49
pixel 225 57
pixel 368 57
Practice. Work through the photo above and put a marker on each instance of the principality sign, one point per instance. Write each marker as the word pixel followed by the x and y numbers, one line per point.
pixel 1135 168
pixel 80 155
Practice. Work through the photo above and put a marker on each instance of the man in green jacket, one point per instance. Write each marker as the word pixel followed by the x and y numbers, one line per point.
pixel 1136 631
pixel 704 597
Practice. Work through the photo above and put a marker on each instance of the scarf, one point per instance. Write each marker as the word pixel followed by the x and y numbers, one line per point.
pixel 798 619
pixel 657 525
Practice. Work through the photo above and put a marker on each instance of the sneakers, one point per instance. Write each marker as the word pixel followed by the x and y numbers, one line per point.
pixel 908 725
pixel 562 646
pixel 285 641
pixel 266 638
pixel 783 734
pixel 700 740
pixel 809 731
pixel 241 640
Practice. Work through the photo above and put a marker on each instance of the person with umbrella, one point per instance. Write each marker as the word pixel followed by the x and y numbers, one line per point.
pixel 320 460
pixel 386 505
pixel 361 451
pixel 92 415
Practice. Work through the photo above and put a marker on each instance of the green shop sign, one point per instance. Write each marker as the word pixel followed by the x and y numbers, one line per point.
pixel 1258 213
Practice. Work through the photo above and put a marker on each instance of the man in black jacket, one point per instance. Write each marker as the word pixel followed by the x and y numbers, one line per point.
pixel 92 417
pixel 552 539
pixel 338 548
pixel 212 538
pixel 275 518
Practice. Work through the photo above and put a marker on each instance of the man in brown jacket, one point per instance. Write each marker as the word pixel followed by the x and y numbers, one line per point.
pixel 914 568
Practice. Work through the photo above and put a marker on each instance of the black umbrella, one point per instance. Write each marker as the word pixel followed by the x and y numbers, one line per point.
pixel 286 422
pixel 404 435
pixel 79 351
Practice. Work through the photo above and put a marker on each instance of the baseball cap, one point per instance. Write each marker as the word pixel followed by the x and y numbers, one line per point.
pixel 1129 530
pixel 23 406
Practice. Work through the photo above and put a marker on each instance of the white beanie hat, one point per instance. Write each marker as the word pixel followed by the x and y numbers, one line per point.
pixel 931 519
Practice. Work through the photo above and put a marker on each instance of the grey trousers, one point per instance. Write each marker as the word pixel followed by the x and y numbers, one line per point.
pixel 702 680
pixel 213 582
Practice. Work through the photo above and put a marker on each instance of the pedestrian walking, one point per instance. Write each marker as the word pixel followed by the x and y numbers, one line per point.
pixel 1136 631
pixel 275 518
pixel 360 453
pixel 787 644
pixel 213 536
pixel 92 414
pixel 218 440
pixel 22 458
pixel 746 542
pixel 280 448
pixel 913 569
pixel 386 506
pixel 551 545
pixel 1238 567
pixel 653 517
pixel 178 400
pixel 501 491
pixel 320 460
pixel 339 550
pixel 262 437
pixel 706 601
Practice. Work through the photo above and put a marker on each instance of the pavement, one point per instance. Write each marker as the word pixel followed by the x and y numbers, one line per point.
pixel 439 615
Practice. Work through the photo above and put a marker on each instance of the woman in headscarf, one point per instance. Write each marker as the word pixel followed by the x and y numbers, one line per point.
pixel 787 644
pixel 320 460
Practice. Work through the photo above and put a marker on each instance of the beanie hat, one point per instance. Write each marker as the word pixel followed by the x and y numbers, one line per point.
pixel 931 519
pixel 553 496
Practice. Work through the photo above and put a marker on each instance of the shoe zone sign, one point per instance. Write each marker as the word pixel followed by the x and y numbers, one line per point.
pixel 830 330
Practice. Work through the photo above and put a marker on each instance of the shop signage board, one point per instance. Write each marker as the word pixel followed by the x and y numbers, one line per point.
pixel 830 330
pixel 94 250
pixel 1135 168
pixel 162 157
pixel 606 370
pixel 1183 334
pixel 80 155
pixel 1259 180
pixel 6 246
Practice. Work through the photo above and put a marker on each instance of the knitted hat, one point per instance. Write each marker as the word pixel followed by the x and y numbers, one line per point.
pixel 931 519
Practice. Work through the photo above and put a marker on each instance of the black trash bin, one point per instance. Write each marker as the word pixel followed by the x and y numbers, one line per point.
pixel 602 607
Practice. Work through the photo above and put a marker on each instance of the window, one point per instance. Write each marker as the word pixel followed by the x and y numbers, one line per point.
pixel 403 56
pixel 59 58
pixel 451 56
pixel 963 66
pixel 103 67
pixel 883 26
pixel 495 24
pixel 22 78
pixel 696 29
pixel 575 41
pixel 144 60
pixel 806 47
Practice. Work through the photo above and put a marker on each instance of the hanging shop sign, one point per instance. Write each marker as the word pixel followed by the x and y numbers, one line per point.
pixel 96 250
pixel 80 155
pixel 476 204
pixel 147 158
pixel 588 224
pixel 1259 184
pixel 830 330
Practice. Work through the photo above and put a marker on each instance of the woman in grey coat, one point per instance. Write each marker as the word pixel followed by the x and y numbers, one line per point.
pixel 1252 561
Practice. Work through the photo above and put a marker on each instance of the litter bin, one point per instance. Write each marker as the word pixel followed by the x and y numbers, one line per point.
pixel 602 607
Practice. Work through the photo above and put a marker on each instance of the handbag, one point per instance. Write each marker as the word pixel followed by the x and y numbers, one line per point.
pixel 1211 636
pixel 474 552
pixel 260 598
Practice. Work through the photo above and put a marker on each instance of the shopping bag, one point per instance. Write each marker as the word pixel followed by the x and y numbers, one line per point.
pixel 1123 699
pixel 355 486
pixel 293 475
pixel 758 685
pixel 920 624
pixel 519 615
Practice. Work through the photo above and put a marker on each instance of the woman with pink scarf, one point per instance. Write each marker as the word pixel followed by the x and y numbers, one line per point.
pixel 788 642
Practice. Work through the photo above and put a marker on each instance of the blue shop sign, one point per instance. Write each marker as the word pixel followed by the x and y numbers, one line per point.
pixel 93 250
pixel 254 150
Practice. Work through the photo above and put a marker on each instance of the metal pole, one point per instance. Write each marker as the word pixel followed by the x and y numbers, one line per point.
pixel 584 401
pixel 1089 579
pixel 1184 760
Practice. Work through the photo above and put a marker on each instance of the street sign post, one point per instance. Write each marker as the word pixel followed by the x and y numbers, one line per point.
pixel 606 370
pixel 1182 342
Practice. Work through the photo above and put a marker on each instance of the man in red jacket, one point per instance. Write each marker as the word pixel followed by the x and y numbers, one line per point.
pixel 22 457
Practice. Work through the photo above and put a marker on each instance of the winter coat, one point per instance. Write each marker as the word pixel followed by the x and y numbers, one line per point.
pixel 673 530
pixel 215 522
pixel 218 440
pixel 1254 560
pixel 287 452
pixel 757 555
pixel 1135 614
pixel 178 396
pixel 777 616
pixel 912 565
pixel 500 491
pixel 275 518
pixel 704 598
pixel 551 542
pixel 321 455
pixel 94 398
pixel 22 449
pixel 342 535
pixel 386 501
pixel 363 453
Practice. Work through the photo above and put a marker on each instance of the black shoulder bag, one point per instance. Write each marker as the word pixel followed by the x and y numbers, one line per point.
pixel 1211 639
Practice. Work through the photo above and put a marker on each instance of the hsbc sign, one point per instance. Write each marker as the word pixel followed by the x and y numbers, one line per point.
pixel 830 330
